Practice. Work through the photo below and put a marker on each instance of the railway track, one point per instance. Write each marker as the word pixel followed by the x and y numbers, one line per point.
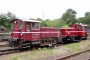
pixel 8 50
pixel 3 44
pixel 73 55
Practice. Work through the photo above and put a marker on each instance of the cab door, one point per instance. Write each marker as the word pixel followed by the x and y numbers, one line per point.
pixel 35 31
pixel 27 32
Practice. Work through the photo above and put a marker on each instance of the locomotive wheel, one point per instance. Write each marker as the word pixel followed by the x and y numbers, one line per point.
pixel 72 38
pixel 79 39
pixel 64 40
pixel 85 37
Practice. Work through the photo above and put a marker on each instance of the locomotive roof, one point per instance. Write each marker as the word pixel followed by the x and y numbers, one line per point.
pixel 25 20
pixel 84 25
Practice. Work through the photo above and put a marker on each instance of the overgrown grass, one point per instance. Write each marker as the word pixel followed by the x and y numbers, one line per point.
pixel 76 47
pixel 36 54
pixel 73 48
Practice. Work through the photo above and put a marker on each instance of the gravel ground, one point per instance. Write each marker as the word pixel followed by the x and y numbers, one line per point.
pixel 3 43
pixel 83 56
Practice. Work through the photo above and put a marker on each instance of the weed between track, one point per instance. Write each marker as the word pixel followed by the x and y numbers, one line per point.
pixel 77 47
pixel 45 52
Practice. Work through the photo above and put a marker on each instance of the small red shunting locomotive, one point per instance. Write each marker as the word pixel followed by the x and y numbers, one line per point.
pixel 75 32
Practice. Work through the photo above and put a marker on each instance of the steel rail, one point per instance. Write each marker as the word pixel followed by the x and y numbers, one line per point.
pixel 73 55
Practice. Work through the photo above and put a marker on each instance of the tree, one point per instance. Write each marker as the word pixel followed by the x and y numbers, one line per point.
pixel 87 14
pixel 69 16
pixel 5 19
pixel 43 23
pixel 85 19
pixel 32 19
pixel 10 16
pixel 58 23
pixel 39 19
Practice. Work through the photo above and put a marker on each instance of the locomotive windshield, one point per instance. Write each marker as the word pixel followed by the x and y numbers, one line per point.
pixel 79 27
pixel 28 27
pixel 35 26
pixel 84 28
pixel 20 25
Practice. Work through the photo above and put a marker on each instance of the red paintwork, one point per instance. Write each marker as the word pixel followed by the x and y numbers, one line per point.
pixel 48 32
pixel 32 35
pixel 73 30
pixel 43 32
pixel 16 32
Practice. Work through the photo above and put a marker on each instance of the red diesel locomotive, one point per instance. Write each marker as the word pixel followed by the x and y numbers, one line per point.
pixel 25 33
pixel 75 32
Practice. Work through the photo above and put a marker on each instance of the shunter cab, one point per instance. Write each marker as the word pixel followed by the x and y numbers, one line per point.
pixel 24 31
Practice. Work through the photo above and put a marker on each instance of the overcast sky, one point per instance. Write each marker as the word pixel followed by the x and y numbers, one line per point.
pixel 53 9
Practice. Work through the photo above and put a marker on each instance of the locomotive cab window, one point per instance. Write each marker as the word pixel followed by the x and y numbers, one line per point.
pixel 84 28
pixel 20 25
pixel 27 27
pixel 35 26
pixel 79 27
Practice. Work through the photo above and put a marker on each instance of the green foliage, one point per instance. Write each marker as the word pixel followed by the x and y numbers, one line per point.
pixel 85 19
pixel 5 19
pixel 87 13
pixel 69 16
pixel 66 26
pixel 57 23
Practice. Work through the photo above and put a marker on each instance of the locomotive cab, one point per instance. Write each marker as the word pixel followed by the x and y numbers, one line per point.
pixel 83 33
pixel 24 31
pixel 27 30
